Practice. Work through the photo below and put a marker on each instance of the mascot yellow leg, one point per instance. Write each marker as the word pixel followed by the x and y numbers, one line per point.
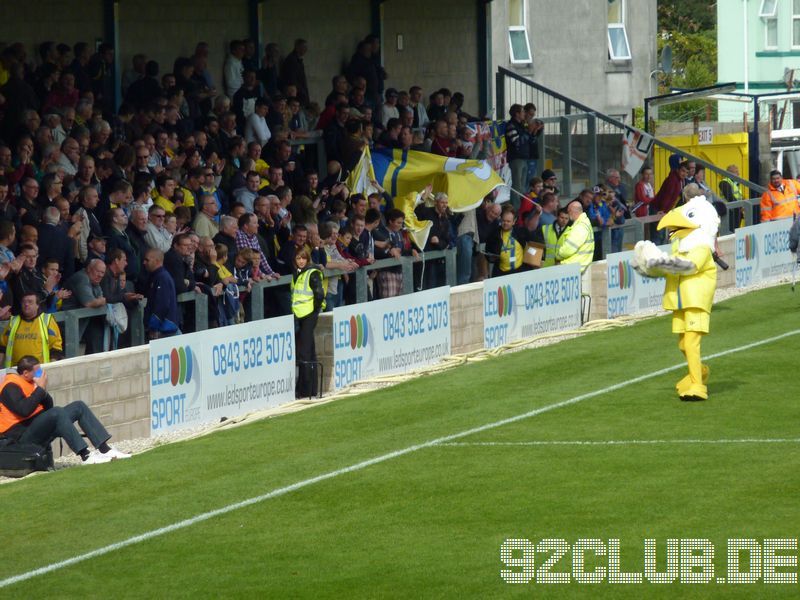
pixel 684 384
pixel 693 385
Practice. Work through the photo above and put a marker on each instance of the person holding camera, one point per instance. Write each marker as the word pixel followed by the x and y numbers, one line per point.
pixel 28 416
pixel 605 210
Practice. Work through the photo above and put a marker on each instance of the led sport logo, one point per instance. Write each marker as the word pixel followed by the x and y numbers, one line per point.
pixel 359 331
pixel 624 275
pixel 750 246
pixel 505 301
pixel 181 365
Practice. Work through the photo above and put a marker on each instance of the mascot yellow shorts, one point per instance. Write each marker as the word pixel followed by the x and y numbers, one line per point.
pixel 690 319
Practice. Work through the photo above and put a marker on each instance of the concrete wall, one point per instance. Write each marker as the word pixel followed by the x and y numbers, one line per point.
pixel 166 30
pixel 67 21
pixel 332 29
pixel 440 47
pixel 116 384
pixel 570 51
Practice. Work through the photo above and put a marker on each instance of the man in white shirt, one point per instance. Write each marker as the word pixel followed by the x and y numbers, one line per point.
pixel 390 107
pixel 233 68
pixel 420 114
pixel 256 129
pixel 70 155
pixel 156 235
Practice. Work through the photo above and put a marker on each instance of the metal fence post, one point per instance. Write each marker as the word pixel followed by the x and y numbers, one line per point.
pixel 361 285
pixel 566 154
pixel 72 334
pixel 136 324
pixel 591 147
pixel 450 266
pixel 257 301
pixel 200 312
pixel 408 274
pixel 605 238
pixel 500 95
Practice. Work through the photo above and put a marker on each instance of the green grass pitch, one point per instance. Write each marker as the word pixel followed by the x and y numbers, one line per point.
pixel 431 522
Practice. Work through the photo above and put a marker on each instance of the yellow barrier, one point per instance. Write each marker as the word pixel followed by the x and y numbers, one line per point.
pixel 725 149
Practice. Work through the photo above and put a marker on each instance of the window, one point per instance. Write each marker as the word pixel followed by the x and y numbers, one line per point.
pixel 771 34
pixel 769 8
pixel 795 23
pixel 518 32
pixel 618 46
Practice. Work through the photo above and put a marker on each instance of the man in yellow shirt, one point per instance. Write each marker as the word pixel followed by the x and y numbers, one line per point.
pixel 31 333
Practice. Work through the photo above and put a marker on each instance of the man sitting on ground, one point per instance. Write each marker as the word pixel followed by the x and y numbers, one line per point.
pixel 27 414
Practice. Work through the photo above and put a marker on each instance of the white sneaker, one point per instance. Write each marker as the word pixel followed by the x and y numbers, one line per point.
pixel 96 457
pixel 116 454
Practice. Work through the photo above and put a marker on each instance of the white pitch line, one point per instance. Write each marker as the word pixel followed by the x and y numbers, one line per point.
pixel 148 535
pixel 622 442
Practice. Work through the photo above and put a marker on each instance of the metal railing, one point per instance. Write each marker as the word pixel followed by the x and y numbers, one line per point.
pixel 406 263
pixel 70 321
pixel 599 134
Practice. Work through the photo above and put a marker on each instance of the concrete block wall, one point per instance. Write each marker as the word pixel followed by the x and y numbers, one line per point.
pixel 116 385
pixel 67 21
pixel 166 30
pixel 439 47
pixel 332 29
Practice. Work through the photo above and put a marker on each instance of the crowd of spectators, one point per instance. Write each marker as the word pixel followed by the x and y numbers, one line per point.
pixel 195 186
pixel 192 185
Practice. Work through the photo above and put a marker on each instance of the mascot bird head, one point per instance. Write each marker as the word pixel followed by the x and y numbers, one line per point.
pixel 694 224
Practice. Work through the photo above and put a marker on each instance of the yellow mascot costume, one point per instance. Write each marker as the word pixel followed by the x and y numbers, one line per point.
pixel 691 281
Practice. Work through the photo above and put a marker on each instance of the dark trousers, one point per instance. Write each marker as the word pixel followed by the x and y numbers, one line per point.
pixel 307 384
pixel 58 422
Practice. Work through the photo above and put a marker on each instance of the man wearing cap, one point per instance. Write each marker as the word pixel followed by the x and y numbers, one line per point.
pixel 549 181
pixel 389 110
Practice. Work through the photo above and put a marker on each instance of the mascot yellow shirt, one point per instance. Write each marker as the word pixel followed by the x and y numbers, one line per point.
pixel 692 291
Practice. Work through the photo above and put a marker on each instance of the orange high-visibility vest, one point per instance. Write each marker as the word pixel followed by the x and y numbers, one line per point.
pixel 9 418
pixel 780 205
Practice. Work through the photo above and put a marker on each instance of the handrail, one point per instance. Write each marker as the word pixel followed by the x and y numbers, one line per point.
pixel 406 263
pixel 569 103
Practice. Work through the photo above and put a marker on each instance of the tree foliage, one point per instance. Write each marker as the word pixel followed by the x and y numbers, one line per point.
pixel 688 16
pixel 689 27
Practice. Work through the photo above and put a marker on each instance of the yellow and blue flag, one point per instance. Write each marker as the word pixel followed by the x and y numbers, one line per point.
pixel 465 182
